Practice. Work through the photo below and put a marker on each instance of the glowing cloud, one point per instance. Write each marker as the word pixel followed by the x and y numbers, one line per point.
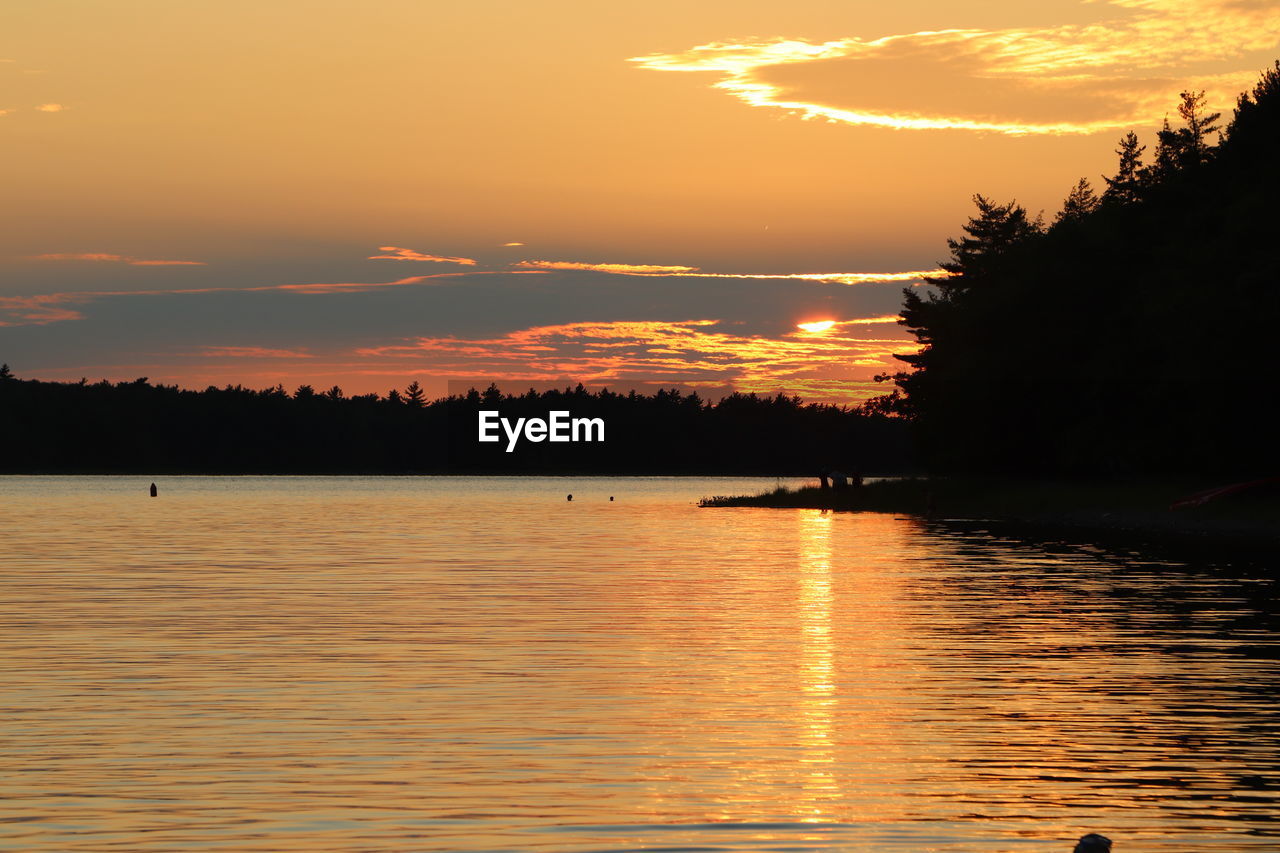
pixel 51 108
pixel 849 278
pixel 401 254
pixel 833 367
pixel 623 269
pixel 120 259
pixel 817 325
pixel 870 321
pixel 655 270
pixel 1060 80
pixel 509 245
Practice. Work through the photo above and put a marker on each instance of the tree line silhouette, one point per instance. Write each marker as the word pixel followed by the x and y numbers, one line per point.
pixel 55 427
pixel 1133 333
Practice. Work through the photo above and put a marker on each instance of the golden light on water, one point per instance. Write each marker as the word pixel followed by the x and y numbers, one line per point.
pixel 817 668
pixel 826 681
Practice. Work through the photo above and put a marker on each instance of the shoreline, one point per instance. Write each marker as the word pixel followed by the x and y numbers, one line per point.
pixel 1130 510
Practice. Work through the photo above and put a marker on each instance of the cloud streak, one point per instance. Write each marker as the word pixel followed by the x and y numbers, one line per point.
pixel 51 308
pixel 654 270
pixel 620 269
pixel 1061 80
pixel 119 259
pixel 401 254
pixel 252 352
pixel 37 310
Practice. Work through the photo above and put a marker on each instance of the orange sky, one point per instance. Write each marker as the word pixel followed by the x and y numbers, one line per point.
pixel 602 186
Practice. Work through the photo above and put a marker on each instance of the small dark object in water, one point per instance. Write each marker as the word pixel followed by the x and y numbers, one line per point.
pixel 610 497
pixel 1093 843
pixel 569 498
pixel 153 490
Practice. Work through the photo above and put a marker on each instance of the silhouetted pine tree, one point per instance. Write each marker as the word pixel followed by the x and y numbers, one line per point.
pixel 1078 204
pixel 1130 178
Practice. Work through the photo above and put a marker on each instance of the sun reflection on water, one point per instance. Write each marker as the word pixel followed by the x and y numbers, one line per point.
pixel 817 665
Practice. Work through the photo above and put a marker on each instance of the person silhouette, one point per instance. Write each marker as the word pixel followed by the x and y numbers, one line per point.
pixel 153 490
pixel 569 498
pixel 1093 843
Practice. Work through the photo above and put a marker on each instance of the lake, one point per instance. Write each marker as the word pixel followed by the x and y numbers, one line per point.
pixel 465 664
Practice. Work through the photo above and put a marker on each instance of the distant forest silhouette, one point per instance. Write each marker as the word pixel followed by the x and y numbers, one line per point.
pixel 58 427
pixel 1136 332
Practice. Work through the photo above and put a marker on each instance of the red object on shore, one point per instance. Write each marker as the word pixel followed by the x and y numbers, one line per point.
pixel 1202 498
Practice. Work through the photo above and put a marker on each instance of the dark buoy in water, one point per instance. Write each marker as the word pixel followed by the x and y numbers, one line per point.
pixel 1093 843
pixel 153 490
pixel 610 497
pixel 569 498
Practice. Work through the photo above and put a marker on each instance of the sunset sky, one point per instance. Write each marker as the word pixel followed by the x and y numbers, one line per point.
pixel 365 194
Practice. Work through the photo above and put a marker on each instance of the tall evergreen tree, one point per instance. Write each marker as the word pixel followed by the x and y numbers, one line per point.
pixel 1126 186
pixel 1078 204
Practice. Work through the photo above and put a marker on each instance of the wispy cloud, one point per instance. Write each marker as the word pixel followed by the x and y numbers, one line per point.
pixel 119 259
pixel 1060 80
pixel 510 245
pixel 850 278
pixel 402 254
pixel 43 309
pixel 51 108
pixel 623 269
pixel 252 352
pixel 655 270
pixel 37 310
pixel 40 310
pixel 869 321
pixel 354 286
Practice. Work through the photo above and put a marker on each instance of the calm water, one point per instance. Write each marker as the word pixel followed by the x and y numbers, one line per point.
pixel 424 664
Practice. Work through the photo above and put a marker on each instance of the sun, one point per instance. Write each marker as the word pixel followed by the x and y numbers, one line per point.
pixel 816 325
